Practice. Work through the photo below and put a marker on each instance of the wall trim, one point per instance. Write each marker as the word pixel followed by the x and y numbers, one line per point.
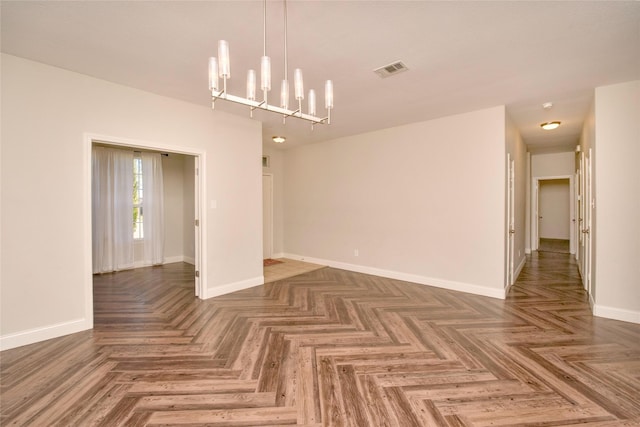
pixel 233 287
pixel 614 313
pixel 167 260
pixel 519 269
pixel 31 336
pixel 408 277
pixel 279 255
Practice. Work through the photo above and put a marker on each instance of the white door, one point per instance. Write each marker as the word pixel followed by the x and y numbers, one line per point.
pixel 196 199
pixel 511 230
pixel 586 230
pixel 267 215
pixel 581 211
pixel 554 206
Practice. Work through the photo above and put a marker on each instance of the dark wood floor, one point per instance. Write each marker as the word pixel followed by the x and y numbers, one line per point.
pixel 332 347
pixel 554 245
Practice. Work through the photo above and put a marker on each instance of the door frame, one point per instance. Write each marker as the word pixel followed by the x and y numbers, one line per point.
pixel 268 227
pixel 535 217
pixel 199 195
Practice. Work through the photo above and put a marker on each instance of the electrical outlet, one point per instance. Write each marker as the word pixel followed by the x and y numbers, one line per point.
pixel 356 252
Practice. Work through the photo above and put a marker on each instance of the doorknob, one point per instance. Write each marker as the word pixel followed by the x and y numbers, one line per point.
pixel 586 231
pixel 512 231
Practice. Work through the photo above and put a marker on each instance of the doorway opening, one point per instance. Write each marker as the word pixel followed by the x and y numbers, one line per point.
pixel 554 214
pixel 183 190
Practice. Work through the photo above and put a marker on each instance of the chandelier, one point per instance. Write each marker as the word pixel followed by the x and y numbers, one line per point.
pixel 220 68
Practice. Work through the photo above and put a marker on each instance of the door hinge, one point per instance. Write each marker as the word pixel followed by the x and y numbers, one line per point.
pixel 197 273
pixel 197 222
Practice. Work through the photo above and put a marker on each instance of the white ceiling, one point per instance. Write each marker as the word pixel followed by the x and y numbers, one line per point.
pixel 462 56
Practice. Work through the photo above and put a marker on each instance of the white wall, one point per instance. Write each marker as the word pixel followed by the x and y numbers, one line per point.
pixel 46 277
pixel 553 207
pixel 276 168
pixel 617 201
pixel 424 202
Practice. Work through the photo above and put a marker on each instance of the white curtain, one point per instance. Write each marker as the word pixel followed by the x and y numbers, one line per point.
pixel 112 213
pixel 153 208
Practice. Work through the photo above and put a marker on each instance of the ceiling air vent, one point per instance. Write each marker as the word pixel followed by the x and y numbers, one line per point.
pixel 391 69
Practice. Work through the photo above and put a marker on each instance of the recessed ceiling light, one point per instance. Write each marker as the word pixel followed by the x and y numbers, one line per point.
pixel 279 139
pixel 549 125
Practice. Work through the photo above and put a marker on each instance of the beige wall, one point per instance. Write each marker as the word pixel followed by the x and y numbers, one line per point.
pixel 553 164
pixel 617 201
pixel 46 259
pixel 423 202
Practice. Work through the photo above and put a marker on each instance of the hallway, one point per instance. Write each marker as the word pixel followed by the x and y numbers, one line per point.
pixel 332 347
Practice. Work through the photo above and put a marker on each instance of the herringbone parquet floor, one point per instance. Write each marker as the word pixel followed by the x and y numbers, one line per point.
pixel 331 347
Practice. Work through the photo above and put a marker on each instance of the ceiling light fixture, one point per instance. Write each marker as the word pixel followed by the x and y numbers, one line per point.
pixel 220 68
pixel 279 139
pixel 549 125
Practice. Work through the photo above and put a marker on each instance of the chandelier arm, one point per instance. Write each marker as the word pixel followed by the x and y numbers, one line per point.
pixel 263 106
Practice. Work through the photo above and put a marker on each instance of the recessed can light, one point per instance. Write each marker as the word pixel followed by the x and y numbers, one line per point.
pixel 549 125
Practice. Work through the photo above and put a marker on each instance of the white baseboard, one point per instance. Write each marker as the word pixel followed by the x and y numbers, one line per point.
pixel 179 258
pixel 233 287
pixel 167 260
pixel 34 335
pixel 278 255
pixel 519 269
pixel 407 277
pixel 527 251
pixel 614 313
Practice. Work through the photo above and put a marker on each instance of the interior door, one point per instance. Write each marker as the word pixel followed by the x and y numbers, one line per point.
pixel 267 215
pixel 586 230
pixel 196 199
pixel 510 220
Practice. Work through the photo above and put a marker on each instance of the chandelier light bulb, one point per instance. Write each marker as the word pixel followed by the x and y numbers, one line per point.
pixel 265 73
pixel 213 74
pixel 284 94
pixel 312 102
pixel 328 95
pixel 224 67
pixel 251 85
pixel 298 84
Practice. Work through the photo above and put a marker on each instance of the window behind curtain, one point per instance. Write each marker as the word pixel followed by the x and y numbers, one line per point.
pixel 138 226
